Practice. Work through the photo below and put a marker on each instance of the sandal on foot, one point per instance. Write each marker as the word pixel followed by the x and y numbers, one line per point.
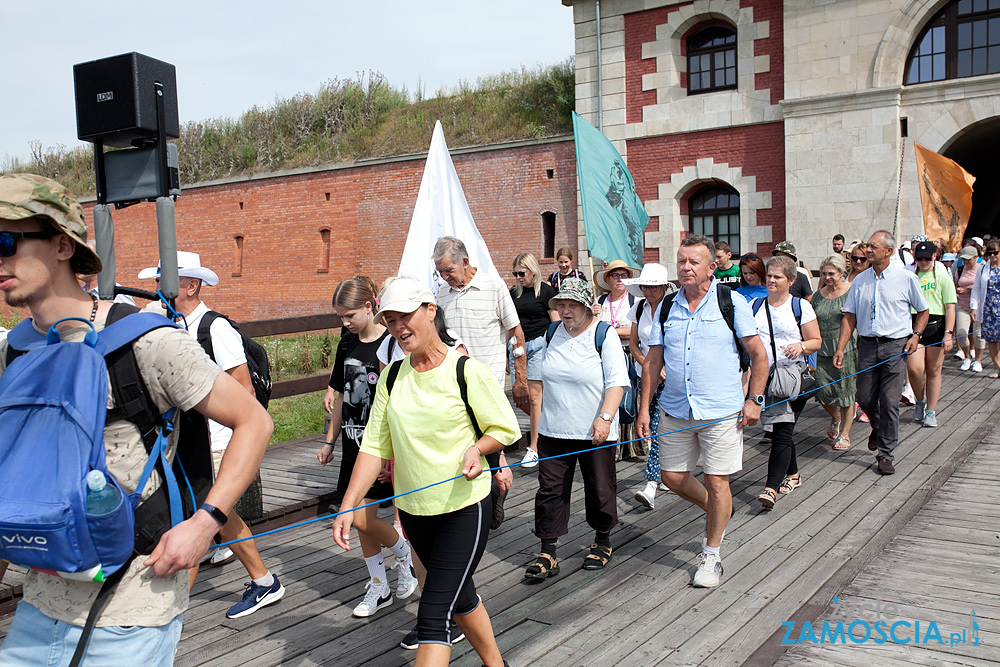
pixel 833 429
pixel 790 484
pixel 767 498
pixel 842 444
pixel 994 375
pixel 545 566
pixel 597 558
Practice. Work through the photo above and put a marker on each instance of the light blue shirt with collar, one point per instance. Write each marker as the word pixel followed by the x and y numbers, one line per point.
pixel 881 302
pixel 700 357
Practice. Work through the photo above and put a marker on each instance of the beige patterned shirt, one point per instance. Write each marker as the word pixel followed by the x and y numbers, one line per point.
pixel 177 372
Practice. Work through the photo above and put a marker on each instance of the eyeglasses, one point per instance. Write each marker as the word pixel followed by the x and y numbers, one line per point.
pixel 649 288
pixel 993 253
pixel 8 240
pixel 855 258
pixel 618 276
pixel 518 274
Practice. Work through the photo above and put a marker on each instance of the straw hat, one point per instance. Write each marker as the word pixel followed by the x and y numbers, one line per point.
pixel 599 275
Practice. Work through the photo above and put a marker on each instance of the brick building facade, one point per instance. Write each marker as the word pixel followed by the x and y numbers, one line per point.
pixel 281 242
pixel 811 110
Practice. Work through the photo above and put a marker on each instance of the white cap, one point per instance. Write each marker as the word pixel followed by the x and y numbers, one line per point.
pixel 404 295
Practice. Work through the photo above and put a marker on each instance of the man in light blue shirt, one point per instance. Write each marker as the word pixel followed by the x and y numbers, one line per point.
pixel 704 409
pixel 879 305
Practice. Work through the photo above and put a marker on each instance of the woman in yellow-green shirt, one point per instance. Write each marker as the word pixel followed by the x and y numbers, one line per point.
pixel 425 424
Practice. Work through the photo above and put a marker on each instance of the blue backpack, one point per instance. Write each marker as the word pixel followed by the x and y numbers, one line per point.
pixel 53 404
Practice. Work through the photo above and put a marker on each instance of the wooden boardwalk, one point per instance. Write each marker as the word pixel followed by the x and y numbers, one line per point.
pixel 925 538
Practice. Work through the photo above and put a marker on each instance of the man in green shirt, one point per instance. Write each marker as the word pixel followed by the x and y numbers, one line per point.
pixel 726 272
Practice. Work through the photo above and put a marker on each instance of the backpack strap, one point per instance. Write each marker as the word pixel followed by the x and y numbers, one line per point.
pixel 100 602
pixel 602 332
pixel 205 333
pixel 725 297
pixel 390 378
pixel 638 310
pixel 601 299
pixel 757 303
pixel 392 348
pixel 551 331
pixel 463 389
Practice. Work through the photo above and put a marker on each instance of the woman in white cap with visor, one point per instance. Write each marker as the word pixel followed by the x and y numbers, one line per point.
pixel 435 431
pixel 651 286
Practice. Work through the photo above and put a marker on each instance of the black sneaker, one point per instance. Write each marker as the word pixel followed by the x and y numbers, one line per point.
pixel 410 640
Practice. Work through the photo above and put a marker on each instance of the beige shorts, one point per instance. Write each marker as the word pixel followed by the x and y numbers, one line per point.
pixel 217 461
pixel 718 443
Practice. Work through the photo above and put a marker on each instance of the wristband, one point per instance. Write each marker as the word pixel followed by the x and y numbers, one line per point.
pixel 216 513
pixel 476 448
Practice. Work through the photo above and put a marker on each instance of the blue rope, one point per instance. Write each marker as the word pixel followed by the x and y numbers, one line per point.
pixel 582 451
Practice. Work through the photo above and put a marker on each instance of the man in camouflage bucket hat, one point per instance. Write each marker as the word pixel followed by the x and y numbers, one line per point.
pixel 24 196
pixel 802 287
pixel 42 247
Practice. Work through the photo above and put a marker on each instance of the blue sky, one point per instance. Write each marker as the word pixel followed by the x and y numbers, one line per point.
pixel 232 56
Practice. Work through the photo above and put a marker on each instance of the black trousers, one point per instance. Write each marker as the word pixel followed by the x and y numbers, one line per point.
pixel 782 460
pixel 450 546
pixel 555 485
pixel 879 389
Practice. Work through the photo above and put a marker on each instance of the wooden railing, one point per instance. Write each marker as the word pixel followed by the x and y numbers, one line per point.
pixel 292 325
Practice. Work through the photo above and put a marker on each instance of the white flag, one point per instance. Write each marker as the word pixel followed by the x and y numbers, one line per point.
pixel 441 210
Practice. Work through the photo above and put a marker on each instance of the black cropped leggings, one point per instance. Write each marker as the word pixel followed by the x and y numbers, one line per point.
pixel 450 547
pixel 782 460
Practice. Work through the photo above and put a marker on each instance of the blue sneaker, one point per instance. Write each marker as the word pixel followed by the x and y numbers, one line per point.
pixel 255 597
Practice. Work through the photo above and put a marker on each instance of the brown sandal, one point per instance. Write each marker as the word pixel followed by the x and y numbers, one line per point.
pixel 545 566
pixel 597 558
pixel 767 498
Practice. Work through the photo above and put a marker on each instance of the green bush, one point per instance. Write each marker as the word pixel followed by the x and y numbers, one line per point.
pixel 348 120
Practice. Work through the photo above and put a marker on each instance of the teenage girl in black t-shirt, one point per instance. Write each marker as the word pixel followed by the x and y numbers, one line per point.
pixel 355 374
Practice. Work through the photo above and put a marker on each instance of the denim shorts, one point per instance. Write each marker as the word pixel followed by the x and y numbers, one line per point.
pixel 535 349
pixel 35 639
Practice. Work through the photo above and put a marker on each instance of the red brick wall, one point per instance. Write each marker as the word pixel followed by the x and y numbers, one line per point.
pixel 759 150
pixel 368 214
pixel 640 27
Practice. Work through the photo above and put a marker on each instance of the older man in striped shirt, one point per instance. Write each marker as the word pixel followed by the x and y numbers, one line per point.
pixel 879 305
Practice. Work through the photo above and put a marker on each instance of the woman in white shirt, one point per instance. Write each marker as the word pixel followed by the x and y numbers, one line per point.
pixel 581 390
pixel 788 342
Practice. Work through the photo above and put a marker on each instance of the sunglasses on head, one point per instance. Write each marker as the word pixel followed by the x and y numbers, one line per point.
pixel 749 257
pixel 8 240
pixel 517 274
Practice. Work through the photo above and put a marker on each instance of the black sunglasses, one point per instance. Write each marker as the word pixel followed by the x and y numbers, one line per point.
pixel 8 240
pixel 855 258
pixel 517 274
pixel 993 253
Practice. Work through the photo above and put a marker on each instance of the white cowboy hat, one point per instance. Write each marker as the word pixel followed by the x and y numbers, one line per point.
pixel 651 274
pixel 188 266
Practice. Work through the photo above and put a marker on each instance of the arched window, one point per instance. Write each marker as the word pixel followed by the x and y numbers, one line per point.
pixel 711 54
pixel 962 40
pixel 715 212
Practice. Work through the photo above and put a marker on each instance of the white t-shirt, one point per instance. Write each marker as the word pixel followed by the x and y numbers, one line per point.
pixel 644 322
pixel 786 330
pixel 617 314
pixel 397 352
pixel 228 348
pixel 574 380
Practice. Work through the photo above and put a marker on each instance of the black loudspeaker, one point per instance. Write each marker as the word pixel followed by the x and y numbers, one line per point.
pixel 116 99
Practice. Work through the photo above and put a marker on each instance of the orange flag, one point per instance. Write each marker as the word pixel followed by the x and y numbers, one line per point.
pixel 945 196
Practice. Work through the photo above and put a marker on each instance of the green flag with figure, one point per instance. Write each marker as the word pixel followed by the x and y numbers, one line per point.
pixel 613 217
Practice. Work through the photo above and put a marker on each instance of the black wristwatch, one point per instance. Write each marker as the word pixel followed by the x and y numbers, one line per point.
pixel 216 513
pixel 918 334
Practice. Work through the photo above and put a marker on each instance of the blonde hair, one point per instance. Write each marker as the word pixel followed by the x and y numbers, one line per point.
pixel 565 252
pixel 354 293
pixel 836 261
pixel 528 261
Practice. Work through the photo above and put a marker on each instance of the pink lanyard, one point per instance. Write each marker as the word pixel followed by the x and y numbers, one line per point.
pixel 611 307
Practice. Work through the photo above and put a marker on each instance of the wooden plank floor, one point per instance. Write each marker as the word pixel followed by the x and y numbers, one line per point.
pixel 818 542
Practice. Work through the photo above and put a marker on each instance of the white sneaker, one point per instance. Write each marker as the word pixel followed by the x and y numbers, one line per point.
pixel 966 365
pixel 664 487
pixel 709 571
pixel 406 582
pixel 960 355
pixel 977 367
pixel 530 459
pixel 378 597
pixel 221 555
pixel 644 498
pixel 908 398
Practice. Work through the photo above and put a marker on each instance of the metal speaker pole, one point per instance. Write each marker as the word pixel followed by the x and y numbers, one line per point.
pixel 166 230
pixel 104 236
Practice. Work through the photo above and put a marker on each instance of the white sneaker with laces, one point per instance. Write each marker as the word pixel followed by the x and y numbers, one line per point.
pixel 406 582
pixel 966 365
pixel 221 555
pixel 530 459
pixel 646 499
pixel 709 571
pixel 663 487
pixel 378 597
pixel 960 355
pixel 977 367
